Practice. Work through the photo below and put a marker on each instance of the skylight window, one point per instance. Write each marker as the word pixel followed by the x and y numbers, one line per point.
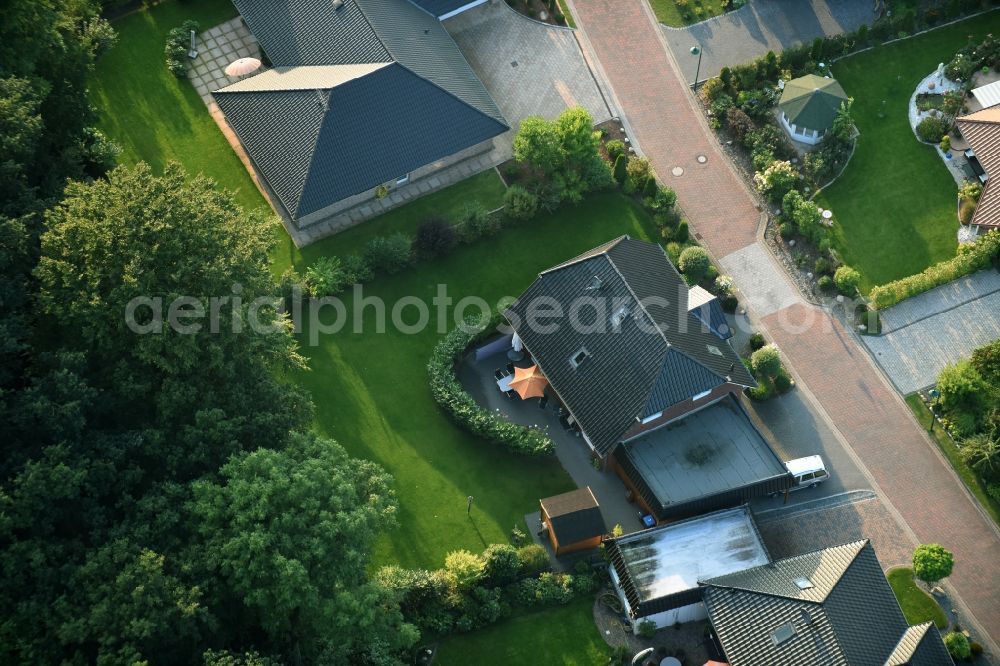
pixel 803 583
pixel 618 316
pixel 783 634
pixel 579 357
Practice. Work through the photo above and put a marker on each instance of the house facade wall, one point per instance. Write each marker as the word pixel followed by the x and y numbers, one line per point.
pixel 801 134
pixel 686 613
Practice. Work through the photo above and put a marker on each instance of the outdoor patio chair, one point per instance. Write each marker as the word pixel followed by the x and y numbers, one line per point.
pixel 498 373
pixel 512 394
pixel 510 368
pixel 564 422
pixel 543 401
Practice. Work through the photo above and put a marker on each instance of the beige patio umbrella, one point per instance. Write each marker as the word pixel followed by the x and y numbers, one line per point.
pixel 242 67
pixel 529 382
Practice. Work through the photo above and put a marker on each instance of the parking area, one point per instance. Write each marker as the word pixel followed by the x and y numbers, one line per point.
pixel 530 68
pixel 927 332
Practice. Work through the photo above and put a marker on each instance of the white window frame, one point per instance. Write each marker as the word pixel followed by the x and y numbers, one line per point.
pixel 403 180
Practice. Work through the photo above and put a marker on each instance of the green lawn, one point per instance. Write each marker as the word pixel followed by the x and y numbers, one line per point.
pixel 485 188
pixel 950 451
pixel 917 605
pixel 678 13
pixel 895 203
pixel 157 117
pixel 563 635
pixel 371 389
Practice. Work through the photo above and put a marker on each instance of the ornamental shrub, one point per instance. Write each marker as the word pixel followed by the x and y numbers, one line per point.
pixel 682 234
pixel 962 387
pixel 931 129
pixel 637 172
pixel 435 237
pixel 821 266
pixel 958 646
pixel 533 558
pixel 554 588
pixel 452 397
pixel 766 362
pixel 502 565
pixel 757 341
pixel 475 223
pixel 176 49
pixel 326 277
pixel 620 171
pixel 825 283
pixel 646 629
pixel 357 270
pixel 519 204
pixel 739 123
pixel 389 254
pixel 776 180
pixel 615 148
pixel 650 188
pixel 464 568
pixel 694 263
pixel 847 280
pixel 783 381
pixel 932 562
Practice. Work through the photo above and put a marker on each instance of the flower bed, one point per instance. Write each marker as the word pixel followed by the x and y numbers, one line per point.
pixel 463 409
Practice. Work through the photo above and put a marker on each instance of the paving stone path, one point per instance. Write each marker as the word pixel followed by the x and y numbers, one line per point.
pixel 761 26
pixel 915 483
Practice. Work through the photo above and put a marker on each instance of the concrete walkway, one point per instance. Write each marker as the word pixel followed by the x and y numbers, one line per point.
pixel 925 333
pixel 917 487
pixel 761 26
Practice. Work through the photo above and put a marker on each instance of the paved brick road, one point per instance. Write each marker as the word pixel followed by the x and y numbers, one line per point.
pixel 873 420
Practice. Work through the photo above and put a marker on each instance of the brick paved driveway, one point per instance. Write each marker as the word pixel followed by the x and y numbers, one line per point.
pixel 761 26
pixel 915 482
pixel 925 333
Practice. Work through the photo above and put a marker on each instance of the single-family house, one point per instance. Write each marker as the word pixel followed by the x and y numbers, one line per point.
pixel 362 96
pixel 982 131
pixel 643 366
pixel 808 107
pixel 832 607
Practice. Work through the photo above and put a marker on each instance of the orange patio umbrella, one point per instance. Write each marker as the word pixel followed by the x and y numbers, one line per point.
pixel 529 382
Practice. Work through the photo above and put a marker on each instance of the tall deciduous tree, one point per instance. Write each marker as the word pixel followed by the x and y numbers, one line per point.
pixel 287 533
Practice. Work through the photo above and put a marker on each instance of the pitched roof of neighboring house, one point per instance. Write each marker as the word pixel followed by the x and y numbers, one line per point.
pixel 445 8
pixel 574 516
pixel 833 606
pixel 921 645
pixel 642 350
pixel 982 130
pixel 812 101
pixel 359 95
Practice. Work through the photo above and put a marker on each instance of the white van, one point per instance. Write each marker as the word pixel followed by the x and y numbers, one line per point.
pixel 808 472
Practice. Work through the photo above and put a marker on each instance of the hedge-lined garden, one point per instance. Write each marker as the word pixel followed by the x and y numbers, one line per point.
pixel 449 394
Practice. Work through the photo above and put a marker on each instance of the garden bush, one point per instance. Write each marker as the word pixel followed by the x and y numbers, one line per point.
pixel 615 148
pixel 474 222
pixel 729 303
pixel 620 170
pixel 971 257
pixel 674 249
pixel 176 50
pixel 766 362
pixel 357 270
pixel 932 562
pixel 326 277
pixel 645 629
pixel 502 564
pixel 637 172
pixel 981 452
pixel 554 588
pixel 821 266
pixel 931 129
pixel 533 558
pixel 434 238
pixel 739 123
pixel 958 646
pixel 694 262
pixel 519 204
pixel 776 180
pixel 451 396
pixel 825 283
pixel 389 254
pixel 757 341
pixel 464 568
pixel 650 189
pixel 847 280
pixel 682 233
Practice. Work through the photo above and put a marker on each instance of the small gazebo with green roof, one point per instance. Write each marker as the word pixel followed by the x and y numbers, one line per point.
pixel 809 105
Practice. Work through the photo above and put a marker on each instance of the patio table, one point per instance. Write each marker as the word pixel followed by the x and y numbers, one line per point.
pixel 504 383
pixel 670 661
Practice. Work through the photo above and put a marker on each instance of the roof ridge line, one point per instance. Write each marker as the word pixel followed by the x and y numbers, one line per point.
pixel 453 95
pixel 314 142
pixel 584 256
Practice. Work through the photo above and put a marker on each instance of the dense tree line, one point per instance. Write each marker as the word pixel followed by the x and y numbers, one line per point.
pixel 162 500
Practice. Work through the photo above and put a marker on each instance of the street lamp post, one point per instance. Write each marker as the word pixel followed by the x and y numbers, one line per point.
pixel 696 50
pixel 933 393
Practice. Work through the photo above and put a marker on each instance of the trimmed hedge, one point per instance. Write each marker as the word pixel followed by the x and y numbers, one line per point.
pixel 463 409
pixel 970 258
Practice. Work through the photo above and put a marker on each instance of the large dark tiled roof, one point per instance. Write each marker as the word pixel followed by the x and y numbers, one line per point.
pixel 360 95
pixel 832 606
pixel 653 355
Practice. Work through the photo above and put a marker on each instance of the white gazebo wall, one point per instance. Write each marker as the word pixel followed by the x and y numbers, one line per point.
pixel 801 134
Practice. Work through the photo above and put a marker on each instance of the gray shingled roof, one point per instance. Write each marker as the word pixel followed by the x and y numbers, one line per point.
pixel 359 96
pixel 847 615
pixel 574 516
pixel 658 355
pixel 921 645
